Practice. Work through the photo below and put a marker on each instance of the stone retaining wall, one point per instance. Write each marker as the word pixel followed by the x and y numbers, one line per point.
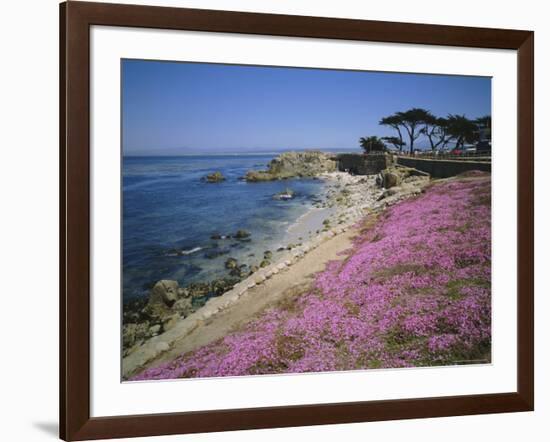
pixel 361 164
pixel 443 168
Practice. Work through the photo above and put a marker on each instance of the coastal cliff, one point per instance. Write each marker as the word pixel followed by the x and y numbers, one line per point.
pixel 294 164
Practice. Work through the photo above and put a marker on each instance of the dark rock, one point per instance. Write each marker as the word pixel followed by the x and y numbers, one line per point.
pixel 218 236
pixel 135 332
pixel 239 272
pixel 231 263
pixel 241 234
pixel 198 289
pixel 222 285
pixel 133 309
pixel 214 177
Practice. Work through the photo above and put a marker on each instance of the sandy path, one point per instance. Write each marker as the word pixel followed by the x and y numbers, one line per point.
pixel 280 287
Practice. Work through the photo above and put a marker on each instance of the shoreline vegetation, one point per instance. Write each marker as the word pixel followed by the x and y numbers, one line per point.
pixel 407 284
pixel 182 328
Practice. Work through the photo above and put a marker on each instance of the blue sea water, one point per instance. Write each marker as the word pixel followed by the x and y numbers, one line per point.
pixel 170 214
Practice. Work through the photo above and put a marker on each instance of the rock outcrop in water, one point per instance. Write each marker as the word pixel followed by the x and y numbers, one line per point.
pixel 241 234
pixel 214 177
pixel 294 164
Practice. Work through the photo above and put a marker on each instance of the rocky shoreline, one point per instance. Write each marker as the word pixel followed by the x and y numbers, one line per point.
pixel 152 326
pixel 358 302
pixel 294 164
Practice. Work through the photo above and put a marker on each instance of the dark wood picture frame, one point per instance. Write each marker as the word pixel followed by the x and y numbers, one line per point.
pixel 75 21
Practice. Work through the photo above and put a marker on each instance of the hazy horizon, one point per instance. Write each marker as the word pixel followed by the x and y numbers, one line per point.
pixel 250 152
pixel 179 108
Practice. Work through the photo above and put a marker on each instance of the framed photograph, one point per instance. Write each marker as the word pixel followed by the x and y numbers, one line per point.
pixel 274 220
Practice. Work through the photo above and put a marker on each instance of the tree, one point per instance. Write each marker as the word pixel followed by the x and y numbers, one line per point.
pixel 484 122
pixel 413 121
pixel 395 142
pixel 394 121
pixel 372 144
pixel 435 129
pixel 461 129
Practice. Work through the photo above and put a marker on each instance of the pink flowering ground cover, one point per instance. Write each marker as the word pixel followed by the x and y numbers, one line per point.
pixel 414 290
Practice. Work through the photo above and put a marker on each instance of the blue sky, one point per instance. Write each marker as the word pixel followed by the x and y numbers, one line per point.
pixel 171 108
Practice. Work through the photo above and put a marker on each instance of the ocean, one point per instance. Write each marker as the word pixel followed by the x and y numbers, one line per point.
pixel 170 215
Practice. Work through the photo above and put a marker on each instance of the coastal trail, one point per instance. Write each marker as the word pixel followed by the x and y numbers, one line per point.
pixel 283 287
